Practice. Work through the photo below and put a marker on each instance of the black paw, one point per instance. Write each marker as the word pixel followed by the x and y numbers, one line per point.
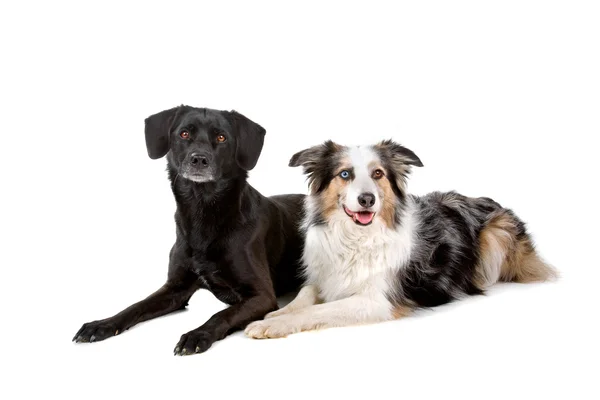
pixel 96 331
pixel 197 341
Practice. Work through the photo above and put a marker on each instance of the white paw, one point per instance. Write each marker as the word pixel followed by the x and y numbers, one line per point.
pixel 268 329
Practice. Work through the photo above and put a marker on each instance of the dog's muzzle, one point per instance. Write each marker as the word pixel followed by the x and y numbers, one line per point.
pixel 198 168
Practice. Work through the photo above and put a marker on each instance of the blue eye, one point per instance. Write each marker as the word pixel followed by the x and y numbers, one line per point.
pixel 345 174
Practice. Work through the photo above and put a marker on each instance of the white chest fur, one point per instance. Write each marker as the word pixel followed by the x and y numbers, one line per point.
pixel 343 259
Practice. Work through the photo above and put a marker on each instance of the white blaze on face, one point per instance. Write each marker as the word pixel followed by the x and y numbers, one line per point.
pixel 362 160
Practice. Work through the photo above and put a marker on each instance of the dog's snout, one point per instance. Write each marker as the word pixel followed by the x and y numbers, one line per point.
pixel 366 200
pixel 199 160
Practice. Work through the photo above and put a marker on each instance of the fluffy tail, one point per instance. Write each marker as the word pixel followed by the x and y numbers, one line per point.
pixel 507 252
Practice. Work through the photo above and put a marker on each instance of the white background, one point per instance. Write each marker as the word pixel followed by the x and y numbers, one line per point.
pixel 497 98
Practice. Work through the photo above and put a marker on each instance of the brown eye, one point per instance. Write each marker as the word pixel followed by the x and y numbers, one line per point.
pixel 185 135
pixel 221 138
pixel 377 174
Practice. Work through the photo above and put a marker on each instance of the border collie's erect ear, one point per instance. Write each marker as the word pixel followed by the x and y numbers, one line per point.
pixel 158 129
pixel 317 162
pixel 398 154
pixel 250 139
pixel 309 158
pixel 398 159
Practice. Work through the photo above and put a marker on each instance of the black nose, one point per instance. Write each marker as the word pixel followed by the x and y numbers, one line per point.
pixel 366 200
pixel 199 160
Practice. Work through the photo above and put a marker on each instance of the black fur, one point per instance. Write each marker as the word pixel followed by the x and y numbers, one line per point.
pixel 446 255
pixel 243 247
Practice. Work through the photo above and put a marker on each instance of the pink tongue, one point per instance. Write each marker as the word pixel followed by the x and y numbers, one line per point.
pixel 363 217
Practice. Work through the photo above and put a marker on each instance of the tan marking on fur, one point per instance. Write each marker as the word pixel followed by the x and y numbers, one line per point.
pixel 527 266
pixel 330 196
pixel 401 311
pixel 504 257
pixel 398 165
pixel 373 165
pixel 388 206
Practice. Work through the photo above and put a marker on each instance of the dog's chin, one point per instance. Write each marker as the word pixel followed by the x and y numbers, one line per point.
pixel 199 178
pixel 361 218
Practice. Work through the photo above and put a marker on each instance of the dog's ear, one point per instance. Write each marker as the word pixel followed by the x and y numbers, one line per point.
pixel 398 160
pixel 397 153
pixel 250 140
pixel 158 129
pixel 316 162
pixel 309 158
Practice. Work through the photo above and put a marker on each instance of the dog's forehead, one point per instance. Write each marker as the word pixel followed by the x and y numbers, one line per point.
pixel 362 156
pixel 205 116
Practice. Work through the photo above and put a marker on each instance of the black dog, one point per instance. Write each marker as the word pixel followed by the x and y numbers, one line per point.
pixel 243 247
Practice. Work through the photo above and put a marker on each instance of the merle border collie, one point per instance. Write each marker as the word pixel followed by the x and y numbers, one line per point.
pixel 375 253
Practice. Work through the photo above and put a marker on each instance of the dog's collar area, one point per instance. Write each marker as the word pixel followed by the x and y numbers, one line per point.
pixel 360 217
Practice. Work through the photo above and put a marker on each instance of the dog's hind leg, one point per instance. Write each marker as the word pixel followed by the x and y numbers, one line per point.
pixel 526 265
pixel 507 253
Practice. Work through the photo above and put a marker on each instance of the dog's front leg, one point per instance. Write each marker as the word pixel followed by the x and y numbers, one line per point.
pixel 224 322
pixel 307 296
pixel 249 270
pixel 172 296
pixel 354 310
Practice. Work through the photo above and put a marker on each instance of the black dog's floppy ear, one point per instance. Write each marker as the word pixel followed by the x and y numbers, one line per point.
pixel 158 129
pixel 250 140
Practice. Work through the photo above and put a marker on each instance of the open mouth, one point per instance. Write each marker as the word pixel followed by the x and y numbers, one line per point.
pixel 360 217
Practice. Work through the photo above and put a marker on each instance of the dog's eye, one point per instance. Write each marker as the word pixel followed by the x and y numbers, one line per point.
pixel 378 174
pixel 184 135
pixel 221 138
pixel 345 174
